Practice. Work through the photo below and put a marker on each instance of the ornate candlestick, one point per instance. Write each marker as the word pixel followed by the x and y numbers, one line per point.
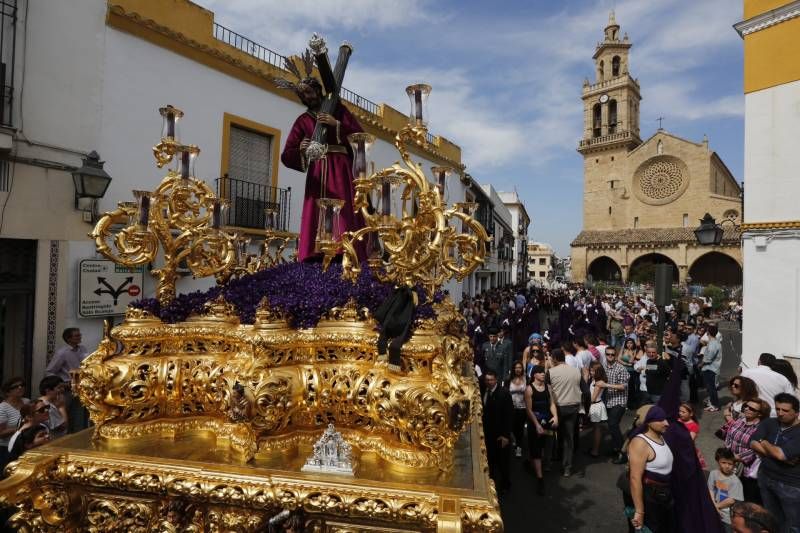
pixel 182 218
pixel 419 244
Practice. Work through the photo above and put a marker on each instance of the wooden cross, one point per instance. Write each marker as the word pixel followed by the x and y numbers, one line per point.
pixel 659 119
pixel 331 79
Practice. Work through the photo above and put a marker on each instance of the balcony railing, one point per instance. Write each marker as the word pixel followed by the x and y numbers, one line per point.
pixel 621 136
pixel 356 99
pixel 608 84
pixel 249 200
pixel 250 47
pixel 240 42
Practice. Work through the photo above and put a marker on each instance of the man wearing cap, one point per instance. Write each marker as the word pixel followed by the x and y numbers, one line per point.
pixel 650 470
pixel 507 353
pixel 494 354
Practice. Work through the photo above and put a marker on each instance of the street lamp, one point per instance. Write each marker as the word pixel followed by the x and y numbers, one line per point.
pixel 709 232
pixel 90 181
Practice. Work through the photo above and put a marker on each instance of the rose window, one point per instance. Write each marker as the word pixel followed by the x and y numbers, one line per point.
pixel 661 180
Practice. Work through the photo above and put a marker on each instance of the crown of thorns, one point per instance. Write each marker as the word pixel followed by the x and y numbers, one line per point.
pixel 303 78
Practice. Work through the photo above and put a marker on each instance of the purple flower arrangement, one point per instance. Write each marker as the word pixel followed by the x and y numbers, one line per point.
pixel 301 290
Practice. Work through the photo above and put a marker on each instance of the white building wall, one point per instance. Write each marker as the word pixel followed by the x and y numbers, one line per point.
pixel 771 274
pixel 772 160
pixel 771 309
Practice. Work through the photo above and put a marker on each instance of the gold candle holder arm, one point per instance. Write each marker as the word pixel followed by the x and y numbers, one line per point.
pixel 130 246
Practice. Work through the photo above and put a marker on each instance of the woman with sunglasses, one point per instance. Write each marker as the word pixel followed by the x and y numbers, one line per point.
pixel 532 353
pixel 743 390
pixel 35 414
pixel 738 440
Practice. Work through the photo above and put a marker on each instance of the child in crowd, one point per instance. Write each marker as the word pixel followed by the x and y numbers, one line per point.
pixel 725 488
pixel 687 418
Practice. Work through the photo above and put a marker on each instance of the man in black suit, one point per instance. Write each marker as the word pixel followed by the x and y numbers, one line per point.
pixel 497 413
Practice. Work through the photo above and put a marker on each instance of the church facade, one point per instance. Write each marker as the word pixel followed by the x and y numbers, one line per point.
pixel 644 198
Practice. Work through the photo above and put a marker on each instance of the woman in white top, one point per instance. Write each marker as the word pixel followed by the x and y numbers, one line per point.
pixel 14 391
pixel 650 468
pixel 517 387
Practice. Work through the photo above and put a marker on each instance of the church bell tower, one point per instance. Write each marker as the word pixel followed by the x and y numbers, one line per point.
pixel 610 131
pixel 611 103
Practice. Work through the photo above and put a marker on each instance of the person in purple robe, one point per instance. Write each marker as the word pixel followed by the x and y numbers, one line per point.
pixel 336 166
pixel 695 512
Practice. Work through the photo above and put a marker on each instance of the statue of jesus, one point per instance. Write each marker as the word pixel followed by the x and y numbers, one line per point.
pixel 336 166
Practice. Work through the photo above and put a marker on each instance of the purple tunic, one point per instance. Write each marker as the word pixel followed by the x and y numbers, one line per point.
pixel 339 183
pixel 695 511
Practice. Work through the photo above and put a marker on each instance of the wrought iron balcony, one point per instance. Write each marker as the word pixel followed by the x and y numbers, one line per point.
pixel 249 200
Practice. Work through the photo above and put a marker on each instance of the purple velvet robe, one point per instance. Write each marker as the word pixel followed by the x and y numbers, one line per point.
pixel 339 183
pixel 694 508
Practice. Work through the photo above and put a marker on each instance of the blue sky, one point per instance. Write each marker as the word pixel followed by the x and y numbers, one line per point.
pixel 507 77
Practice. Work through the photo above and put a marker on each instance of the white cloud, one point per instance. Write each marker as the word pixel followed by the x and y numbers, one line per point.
pixel 668 99
pixel 457 112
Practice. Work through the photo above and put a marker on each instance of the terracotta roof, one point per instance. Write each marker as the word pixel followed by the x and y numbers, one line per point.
pixel 649 236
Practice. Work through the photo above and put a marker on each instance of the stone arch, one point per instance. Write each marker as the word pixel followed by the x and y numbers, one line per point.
pixel 716 268
pixel 642 269
pixel 604 268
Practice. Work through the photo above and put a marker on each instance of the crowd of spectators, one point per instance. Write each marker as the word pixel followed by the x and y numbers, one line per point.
pixel 26 423
pixel 557 364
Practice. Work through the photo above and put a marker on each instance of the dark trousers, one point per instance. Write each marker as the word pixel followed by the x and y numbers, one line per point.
pixel 693 386
pixel 710 380
pixel 567 432
pixel 658 508
pixel 615 415
pixel 781 500
pixel 633 389
pixel 499 462
pixel 750 490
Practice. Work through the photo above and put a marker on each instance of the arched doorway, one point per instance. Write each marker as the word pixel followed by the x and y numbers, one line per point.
pixel 643 268
pixel 604 269
pixel 716 268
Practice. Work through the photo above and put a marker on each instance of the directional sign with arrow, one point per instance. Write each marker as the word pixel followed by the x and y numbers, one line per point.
pixel 106 288
pixel 111 290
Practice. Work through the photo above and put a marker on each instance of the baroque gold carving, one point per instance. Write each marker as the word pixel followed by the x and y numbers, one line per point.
pixel 171 379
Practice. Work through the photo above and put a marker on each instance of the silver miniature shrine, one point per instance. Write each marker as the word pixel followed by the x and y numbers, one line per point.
pixel 332 454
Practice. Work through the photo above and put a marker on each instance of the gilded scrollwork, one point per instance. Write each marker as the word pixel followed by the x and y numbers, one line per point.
pixel 257 386
pixel 119 515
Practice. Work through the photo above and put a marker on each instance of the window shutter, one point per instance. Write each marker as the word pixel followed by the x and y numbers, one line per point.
pixel 250 157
